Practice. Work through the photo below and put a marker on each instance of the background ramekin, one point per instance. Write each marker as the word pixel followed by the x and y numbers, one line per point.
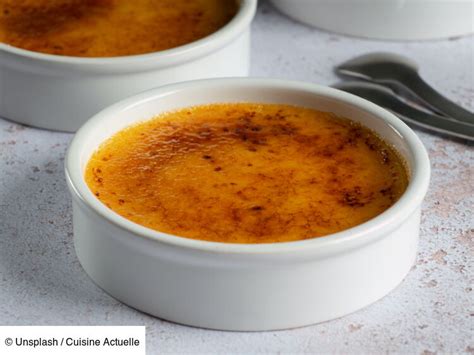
pixel 385 19
pixel 61 92
pixel 244 286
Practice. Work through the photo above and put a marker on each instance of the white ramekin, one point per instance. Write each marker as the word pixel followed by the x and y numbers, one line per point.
pixel 385 19
pixel 61 92
pixel 239 286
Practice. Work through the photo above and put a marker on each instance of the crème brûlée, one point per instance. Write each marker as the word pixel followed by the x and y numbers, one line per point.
pixel 247 173
pixel 110 28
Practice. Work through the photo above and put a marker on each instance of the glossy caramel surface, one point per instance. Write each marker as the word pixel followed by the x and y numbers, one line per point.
pixel 109 28
pixel 247 173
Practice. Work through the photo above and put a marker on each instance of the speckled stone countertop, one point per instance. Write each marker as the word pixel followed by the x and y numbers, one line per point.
pixel 432 311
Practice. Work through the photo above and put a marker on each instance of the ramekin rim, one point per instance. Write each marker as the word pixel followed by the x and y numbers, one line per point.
pixel 355 236
pixel 217 39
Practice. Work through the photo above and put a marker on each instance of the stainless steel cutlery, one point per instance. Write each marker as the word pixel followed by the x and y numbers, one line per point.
pixel 392 81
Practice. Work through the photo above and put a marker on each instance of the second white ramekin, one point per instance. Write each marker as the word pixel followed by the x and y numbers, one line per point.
pixel 238 286
pixel 61 93
pixel 385 19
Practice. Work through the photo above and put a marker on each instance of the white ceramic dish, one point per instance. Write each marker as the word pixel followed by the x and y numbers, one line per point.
pixel 61 92
pixel 235 286
pixel 385 19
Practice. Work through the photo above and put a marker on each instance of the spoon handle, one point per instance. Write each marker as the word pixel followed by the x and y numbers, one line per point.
pixel 385 98
pixel 433 98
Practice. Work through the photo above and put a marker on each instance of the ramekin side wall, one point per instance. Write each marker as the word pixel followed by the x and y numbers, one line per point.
pixel 239 292
pixel 35 95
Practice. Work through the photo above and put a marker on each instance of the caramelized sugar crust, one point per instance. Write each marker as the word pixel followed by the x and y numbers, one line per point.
pixel 247 173
pixel 108 28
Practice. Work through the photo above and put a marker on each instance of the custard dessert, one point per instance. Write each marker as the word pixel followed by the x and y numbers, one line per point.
pixel 247 173
pixel 110 28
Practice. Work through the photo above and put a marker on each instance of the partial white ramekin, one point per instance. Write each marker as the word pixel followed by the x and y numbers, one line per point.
pixel 61 92
pixel 238 286
pixel 385 19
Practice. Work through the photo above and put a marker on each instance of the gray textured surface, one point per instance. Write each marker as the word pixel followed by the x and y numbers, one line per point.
pixel 41 281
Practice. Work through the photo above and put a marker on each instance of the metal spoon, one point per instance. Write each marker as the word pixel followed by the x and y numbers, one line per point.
pixel 401 75
pixel 384 97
